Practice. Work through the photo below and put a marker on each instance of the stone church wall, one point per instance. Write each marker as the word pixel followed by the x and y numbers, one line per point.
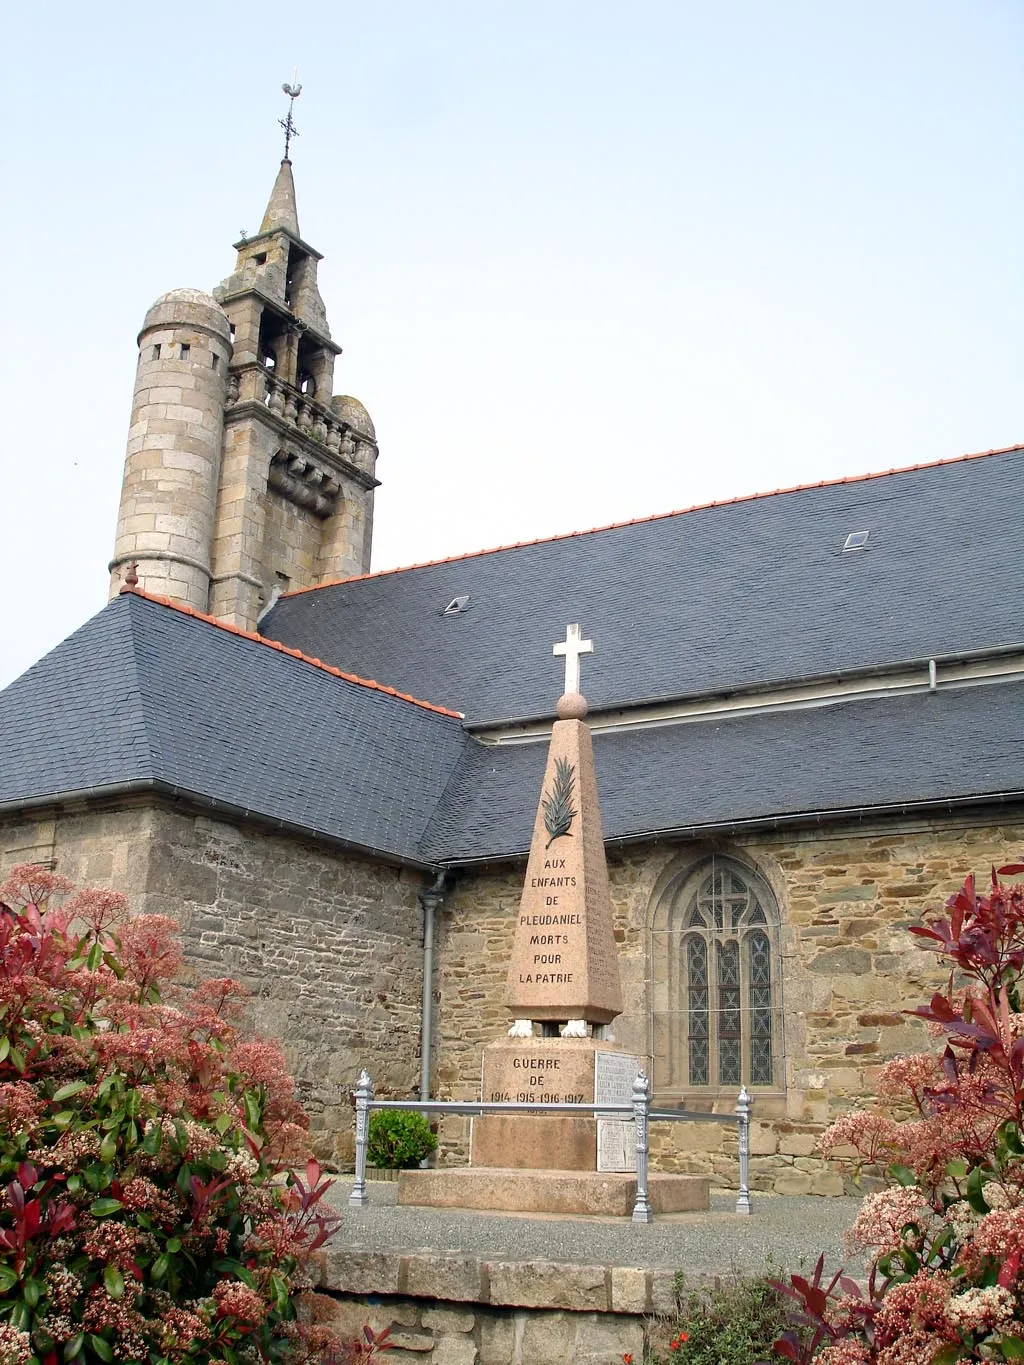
pixel 848 970
pixel 328 942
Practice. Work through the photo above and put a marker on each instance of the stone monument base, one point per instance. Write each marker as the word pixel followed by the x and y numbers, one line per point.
pixel 547 1142
pixel 568 1192
pixel 536 1071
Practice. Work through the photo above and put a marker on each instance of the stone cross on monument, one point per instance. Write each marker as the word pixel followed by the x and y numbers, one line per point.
pixel 572 647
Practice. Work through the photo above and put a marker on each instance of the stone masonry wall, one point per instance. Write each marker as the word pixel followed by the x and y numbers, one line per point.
pixel 291 542
pixel 849 968
pixel 329 943
pixel 452 1309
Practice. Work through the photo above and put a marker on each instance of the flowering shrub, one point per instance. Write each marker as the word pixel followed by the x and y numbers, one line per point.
pixel 946 1241
pixel 139 1140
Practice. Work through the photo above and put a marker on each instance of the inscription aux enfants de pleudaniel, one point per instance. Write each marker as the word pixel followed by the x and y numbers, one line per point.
pixel 563 942
pixel 553 937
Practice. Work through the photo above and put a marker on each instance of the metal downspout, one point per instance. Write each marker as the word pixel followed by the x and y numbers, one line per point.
pixel 429 900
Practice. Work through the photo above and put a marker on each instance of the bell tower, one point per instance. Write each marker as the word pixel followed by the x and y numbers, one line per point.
pixel 278 494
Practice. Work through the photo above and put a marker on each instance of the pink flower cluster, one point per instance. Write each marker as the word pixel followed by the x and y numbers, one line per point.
pixel 15 1346
pixel 238 1301
pixel 20 1106
pixel 111 1242
pixel 846 1352
pixel 883 1216
pixel 997 1236
pixel 982 1309
pixel 143 1136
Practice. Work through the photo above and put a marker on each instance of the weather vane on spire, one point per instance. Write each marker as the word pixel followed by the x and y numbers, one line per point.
pixel 293 92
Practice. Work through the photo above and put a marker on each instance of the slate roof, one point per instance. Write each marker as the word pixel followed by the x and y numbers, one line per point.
pixel 748 594
pixel 148 695
pixel 890 751
pixel 145 694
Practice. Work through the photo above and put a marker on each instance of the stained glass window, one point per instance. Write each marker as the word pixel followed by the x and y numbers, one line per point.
pixel 716 1016
pixel 729 1013
pixel 697 974
pixel 760 952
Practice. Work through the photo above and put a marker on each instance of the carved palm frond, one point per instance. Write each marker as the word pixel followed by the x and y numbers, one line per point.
pixel 559 812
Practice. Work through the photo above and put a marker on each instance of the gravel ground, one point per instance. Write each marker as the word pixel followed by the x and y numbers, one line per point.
pixel 791 1231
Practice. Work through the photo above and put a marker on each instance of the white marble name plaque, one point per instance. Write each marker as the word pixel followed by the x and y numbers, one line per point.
pixel 614 1074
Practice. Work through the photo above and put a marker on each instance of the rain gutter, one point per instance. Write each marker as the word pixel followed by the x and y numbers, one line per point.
pixel 767 822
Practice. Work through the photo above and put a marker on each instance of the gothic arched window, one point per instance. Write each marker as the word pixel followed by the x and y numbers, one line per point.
pixel 715 988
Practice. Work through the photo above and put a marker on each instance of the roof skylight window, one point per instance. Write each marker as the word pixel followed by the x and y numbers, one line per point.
pixel 856 540
pixel 456 606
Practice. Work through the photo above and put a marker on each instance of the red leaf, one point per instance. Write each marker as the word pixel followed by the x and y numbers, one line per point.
pixel 817 1302
pixel 785 1348
pixel 923 931
pixel 33 1217
pixel 1011 870
pixel 941 1008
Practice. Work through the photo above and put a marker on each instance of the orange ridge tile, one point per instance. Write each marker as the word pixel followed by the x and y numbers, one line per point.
pixel 656 516
pixel 295 653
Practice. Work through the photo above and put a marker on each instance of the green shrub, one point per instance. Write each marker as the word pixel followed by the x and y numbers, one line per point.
pixel 399 1138
pixel 732 1322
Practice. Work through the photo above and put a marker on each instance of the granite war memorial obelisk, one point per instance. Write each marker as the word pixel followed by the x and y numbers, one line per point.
pixel 563 985
pixel 564 967
pixel 562 991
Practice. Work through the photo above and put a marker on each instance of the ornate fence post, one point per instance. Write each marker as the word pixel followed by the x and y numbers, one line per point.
pixel 641 1104
pixel 744 1106
pixel 364 1094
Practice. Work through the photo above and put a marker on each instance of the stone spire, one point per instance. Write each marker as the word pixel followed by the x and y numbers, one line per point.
pixel 282 213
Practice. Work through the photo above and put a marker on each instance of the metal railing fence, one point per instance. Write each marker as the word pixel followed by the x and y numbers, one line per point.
pixel 639 1110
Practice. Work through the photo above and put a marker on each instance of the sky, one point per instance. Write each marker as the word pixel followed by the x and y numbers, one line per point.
pixel 587 261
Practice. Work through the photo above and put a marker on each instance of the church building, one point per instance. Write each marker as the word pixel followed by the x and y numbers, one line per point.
pixel 806 708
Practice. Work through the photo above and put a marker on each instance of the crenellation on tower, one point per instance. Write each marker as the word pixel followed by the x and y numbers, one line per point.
pixel 245 473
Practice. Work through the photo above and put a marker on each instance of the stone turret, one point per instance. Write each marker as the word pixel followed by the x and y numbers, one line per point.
pixel 169 493
pixel 245 473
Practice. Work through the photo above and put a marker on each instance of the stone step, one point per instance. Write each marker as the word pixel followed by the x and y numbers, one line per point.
pixel 570 1192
